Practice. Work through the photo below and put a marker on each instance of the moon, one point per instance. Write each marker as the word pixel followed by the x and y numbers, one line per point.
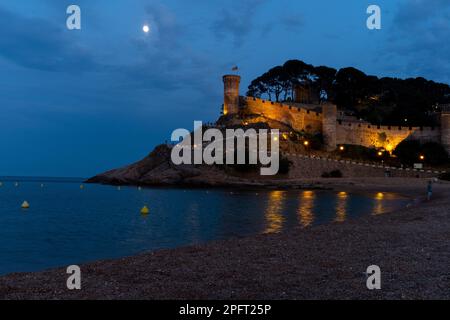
pixel 146 28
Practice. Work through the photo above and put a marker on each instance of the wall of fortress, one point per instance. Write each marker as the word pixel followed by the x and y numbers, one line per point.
pixel 298 118
pixel 309 167
pixel 363 133
pixel 387 137
pixel 303 117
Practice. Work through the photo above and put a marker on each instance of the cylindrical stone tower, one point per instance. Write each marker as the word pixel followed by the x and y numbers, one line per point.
pixel 231 94
pixel 329 118
pixel 445 127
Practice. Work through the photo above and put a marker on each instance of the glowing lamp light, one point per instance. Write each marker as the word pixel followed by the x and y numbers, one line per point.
pixel 379 196
pixel 306 143
pixel 146 28
pixel 275 138
pixel 380 153
pixel 422 157
pixel 285 136
pixel 341 148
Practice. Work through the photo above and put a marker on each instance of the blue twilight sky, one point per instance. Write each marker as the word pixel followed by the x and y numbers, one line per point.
pixel 75 103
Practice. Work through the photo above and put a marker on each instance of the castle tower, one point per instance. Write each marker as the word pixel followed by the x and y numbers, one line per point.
pixel 445 127
pixel 231 94
pixel 329 118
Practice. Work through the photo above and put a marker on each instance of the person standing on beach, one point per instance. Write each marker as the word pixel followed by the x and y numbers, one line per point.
pixel 430 190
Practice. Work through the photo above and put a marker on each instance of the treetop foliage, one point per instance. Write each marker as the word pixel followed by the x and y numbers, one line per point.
pixel 387 101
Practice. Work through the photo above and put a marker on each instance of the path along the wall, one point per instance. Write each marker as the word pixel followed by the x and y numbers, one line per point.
pixel 308 166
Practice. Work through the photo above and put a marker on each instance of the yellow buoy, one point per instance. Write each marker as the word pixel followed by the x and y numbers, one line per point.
pixel 25 205
pixel 145 210
pixel 81 186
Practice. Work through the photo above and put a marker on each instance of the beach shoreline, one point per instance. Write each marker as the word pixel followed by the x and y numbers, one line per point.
pixel 323 262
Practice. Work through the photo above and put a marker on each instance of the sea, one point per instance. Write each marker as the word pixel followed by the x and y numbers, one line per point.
pixel 69 222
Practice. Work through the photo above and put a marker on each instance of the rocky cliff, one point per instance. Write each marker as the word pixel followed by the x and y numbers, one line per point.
pixel 158 169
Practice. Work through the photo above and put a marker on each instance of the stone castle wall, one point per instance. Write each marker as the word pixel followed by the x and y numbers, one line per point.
pixel 445 128
pixel 357 133
pixel 387 137
pixel 304 118
pixel 308 167
pixel 298 118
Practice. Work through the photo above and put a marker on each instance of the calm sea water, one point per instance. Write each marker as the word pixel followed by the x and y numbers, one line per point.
pixel 68 225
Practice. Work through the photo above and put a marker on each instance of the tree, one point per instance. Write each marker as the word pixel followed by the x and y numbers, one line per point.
pixel 435 153
pixel 388 101
pixel 408 151
pixel 350 86
pixel 276 79
pixel 325 80
pixel 298 73
pixel 257 88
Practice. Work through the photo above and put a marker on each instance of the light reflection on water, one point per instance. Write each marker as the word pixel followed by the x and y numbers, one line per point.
pixel 379 203
pixel 341 206
pixel 274 212
pixel 312 204
pixel 305 208
pixel 68 225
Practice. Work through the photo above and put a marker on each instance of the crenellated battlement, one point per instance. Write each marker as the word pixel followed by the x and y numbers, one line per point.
pixel 387 137
pixel 294 108
pixel 385 128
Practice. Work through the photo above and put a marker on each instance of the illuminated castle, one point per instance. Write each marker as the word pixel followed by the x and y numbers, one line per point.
pixel 324 118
